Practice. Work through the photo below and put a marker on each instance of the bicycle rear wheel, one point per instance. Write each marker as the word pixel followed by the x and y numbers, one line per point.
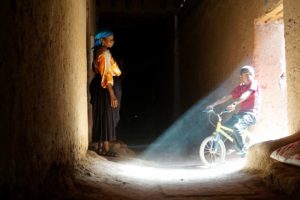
pixel 212 151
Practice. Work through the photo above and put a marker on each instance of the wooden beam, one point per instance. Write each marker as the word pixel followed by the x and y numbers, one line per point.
pixel 275 15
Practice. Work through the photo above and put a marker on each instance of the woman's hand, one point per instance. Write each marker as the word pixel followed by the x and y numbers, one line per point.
pixel 114 101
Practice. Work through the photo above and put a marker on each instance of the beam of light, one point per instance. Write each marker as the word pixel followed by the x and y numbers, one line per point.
pixel 181 141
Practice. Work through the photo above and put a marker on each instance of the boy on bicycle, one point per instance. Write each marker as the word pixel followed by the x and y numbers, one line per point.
pixel 247 96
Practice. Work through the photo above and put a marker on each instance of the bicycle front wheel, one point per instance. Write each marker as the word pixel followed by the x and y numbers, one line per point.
pixel 212 151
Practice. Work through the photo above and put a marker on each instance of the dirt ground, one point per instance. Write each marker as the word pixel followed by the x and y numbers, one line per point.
pixel 133 178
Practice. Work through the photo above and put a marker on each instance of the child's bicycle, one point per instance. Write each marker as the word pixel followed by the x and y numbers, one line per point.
pixel 212 149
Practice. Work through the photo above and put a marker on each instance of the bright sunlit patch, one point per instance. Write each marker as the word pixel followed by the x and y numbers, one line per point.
pixel 162 174
pixel 270 62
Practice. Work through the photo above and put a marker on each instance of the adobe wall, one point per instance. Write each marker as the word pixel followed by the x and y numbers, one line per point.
pixel 42 88
pixel 292 39
pixel 269 60
pixel 90 35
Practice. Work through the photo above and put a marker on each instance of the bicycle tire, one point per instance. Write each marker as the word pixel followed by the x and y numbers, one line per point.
pixel 210 156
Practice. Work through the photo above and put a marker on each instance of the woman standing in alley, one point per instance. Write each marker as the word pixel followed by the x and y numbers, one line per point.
pixel 105 89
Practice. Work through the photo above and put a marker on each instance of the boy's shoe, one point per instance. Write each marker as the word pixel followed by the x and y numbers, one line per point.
pixel 230 151
pixel 243 154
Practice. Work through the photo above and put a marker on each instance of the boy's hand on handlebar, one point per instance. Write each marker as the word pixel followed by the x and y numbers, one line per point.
pixel 210 107
pixel 230 108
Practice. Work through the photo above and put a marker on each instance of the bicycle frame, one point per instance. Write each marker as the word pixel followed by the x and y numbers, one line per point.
pixel 222 129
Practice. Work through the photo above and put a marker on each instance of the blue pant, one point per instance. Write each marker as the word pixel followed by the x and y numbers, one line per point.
pixel 239 123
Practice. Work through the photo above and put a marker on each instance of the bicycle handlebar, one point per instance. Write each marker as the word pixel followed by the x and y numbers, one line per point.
pixel 213 111
pixel 216 114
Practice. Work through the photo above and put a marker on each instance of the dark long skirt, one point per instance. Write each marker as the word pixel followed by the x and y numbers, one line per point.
pixel 105 118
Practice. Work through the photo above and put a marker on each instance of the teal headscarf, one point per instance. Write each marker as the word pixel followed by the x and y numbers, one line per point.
pixel 102 34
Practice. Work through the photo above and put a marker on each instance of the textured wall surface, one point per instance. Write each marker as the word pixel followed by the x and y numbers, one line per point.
pixel 292 39
pixel 42 88
pixel 269 60
pixel 91 29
